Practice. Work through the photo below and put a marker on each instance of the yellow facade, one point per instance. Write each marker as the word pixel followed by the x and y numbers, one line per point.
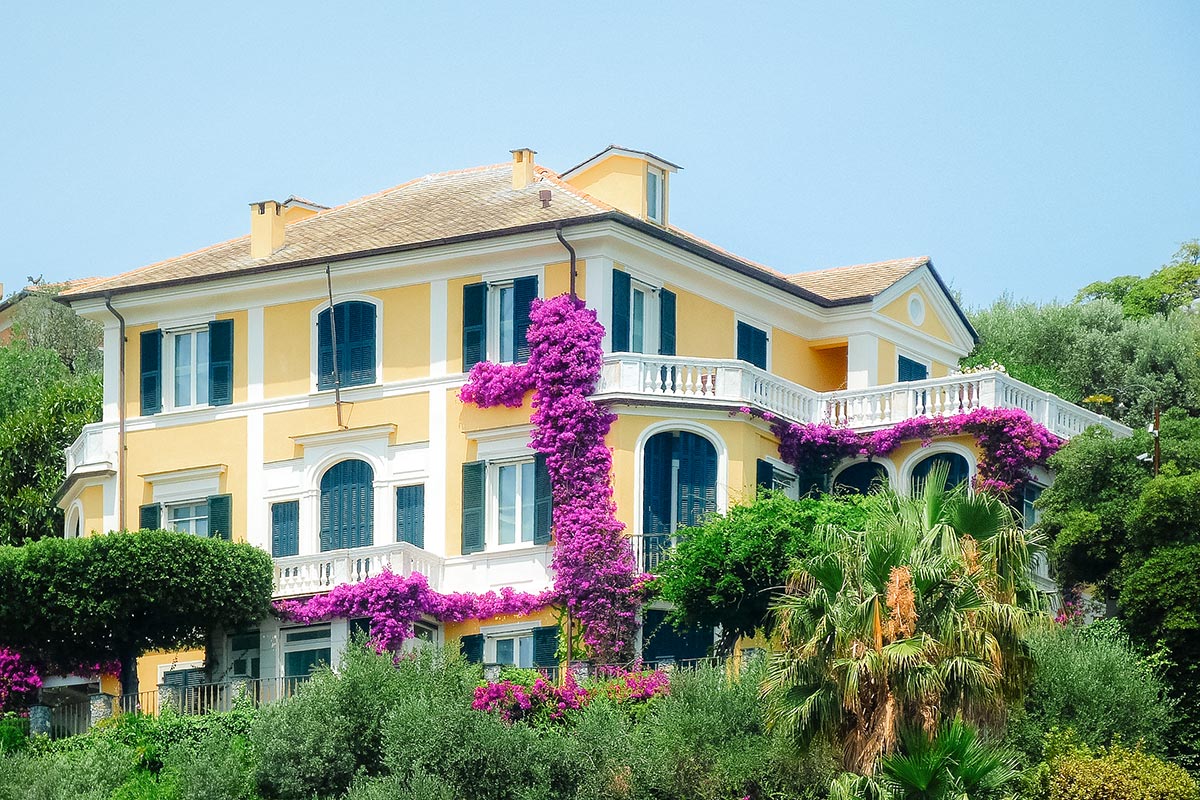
pixel 932 324
pixel 617 180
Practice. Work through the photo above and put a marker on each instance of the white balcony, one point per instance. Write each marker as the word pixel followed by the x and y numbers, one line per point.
pixel 678 380
pixel 311 574
pixel 95 450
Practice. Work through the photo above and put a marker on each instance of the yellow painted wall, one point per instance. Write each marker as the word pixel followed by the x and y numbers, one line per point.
pixel 405 332
pixel 793 358
pixel 187 447
pixel 287 343
pixel 887 362
pixel 933 325
pixel 409 413
pixel 938 370
pixel 147 666
pixel 558 279
pixel 703 327
pixel 92 499
pixel 619 181
pixel 470 627
pixel 832 364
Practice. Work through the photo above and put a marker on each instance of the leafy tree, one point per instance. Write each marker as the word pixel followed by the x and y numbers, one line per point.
pixel 918 616
pixel 1079 351
pixel 89 600
pixel 1114 290
pixel 1174 285
pixel 42 322
pixel 727 571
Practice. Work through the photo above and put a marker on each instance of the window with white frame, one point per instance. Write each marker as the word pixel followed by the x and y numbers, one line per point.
pixel 643 317
pixel 514 650
pixel 189 518
pixel 304 649
pixel 496 319
pixel 189 367
pixel 655 183
pixel 512 492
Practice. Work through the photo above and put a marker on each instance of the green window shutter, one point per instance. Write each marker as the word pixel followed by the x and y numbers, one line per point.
pixel 220 516
pixel 666 323
pixel 474 503
pixel 410 514
pixel 525 291
pixel 472 648
pixel 766 474
pixel 347 505
pixel 620 311
pixel 151 368
pixel 356 356
pixel 325 350
pixel 220 362
pixel 656 476
pixel 474 334
pixel 285 528
pixel 150 517
pixel 545 646
pixel 909 370
pixel 543 501
pixel 697 479
pixel 752 345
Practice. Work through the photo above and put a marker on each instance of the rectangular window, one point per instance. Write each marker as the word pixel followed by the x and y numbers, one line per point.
pixel 508 349
pixel 515 496
pixel 191 368
pixel 909 370
pixel 637 321
pixel 752 345
pixel 191 518
pixel 1031 513
pixel 496 320
pixel 654 194
pixel 410 514
pixel 516 651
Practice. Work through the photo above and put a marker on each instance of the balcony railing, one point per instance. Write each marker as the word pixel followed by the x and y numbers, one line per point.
pixel 94 450
pixel 729 383
pixel 308 574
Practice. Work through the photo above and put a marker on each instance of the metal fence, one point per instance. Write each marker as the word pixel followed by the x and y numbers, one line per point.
pixel 70 719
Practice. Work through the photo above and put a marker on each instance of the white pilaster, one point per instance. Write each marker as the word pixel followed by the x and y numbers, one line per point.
pixel 598 286
pixel 435 485
pixel 112 371
pixel 862 361
pixel 438 309
pixel 258 520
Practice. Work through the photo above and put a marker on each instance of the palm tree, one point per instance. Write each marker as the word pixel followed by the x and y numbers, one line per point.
pixel 916 619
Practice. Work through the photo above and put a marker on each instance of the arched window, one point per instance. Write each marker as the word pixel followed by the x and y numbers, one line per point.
pixel 960 470
pixel 347 513
pixel 860 478
pixel 679 488
pixel 355 331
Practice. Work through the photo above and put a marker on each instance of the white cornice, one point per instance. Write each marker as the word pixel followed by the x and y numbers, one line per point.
pixel 345 437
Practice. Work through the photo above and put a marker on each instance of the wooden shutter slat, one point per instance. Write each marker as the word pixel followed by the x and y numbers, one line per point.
pixel 656 495
pixel 474 479
pixel 472 648
pixel 620 311
pixel 474 333
pixel 525 291
pixel 220 362
pixel 151 371
pixel 752 345
pixel 285 528
pixel 324 350
pixel 150 517
pixel 765 474
pixel 545 646
pixel 410 514
pixel 666 323
pixel 347 505
pixel 220 516
pixel 543 501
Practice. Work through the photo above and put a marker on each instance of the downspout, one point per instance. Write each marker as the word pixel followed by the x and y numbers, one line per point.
pixel 571 250
pixel 121 471
pixel 337 374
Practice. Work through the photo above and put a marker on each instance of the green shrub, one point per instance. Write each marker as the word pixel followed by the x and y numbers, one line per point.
pixel 1095 681
pixel 14 731
pixel 1118 773
pixel 214 769
pixel 94 772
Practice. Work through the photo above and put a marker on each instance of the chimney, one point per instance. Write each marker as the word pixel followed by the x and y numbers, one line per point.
pixel 266 228
pixel 522 167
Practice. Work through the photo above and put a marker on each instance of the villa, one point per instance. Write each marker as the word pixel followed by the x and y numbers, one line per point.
pixel 298 389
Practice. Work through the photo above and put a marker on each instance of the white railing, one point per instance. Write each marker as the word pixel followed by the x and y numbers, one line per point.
pixel 731 383
pixel 297 575
pixel 95 448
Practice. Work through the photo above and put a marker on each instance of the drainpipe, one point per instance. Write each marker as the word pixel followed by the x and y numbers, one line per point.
pixel 337 374
pixel 571 250
pixel 120 415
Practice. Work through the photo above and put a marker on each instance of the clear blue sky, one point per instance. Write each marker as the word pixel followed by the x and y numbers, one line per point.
pixel 1027 147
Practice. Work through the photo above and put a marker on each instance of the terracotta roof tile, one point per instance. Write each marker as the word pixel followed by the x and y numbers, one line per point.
pixel 857 280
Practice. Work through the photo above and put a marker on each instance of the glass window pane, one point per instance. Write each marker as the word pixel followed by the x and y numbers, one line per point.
pixel 183 369
pixel 638 322
pixel 508 348
pixel 504 651
pixel 508 504
pixel 525 652
pixel 201 375
pixel 527 497
pixel 653 196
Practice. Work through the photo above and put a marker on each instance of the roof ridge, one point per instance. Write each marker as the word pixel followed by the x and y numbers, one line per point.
pixel 826 270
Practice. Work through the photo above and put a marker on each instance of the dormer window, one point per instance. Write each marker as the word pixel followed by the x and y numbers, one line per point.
pixel 655 181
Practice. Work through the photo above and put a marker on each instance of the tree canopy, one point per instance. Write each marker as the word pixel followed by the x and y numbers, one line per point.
pixel 90 600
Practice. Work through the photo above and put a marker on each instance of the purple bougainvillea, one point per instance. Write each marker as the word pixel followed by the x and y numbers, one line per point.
pixel 1010 443
pixel 19 681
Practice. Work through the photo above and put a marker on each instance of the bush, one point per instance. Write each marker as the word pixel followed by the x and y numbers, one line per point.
pixel 1118 773
pixel 213 769
pixel 1094 680
pixel 95 772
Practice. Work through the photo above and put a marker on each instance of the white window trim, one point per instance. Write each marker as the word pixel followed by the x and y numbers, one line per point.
pixel 496 281
pixel 889 468
pixel 180 486
pixel 167 366
pixel 639 464
pixel 166 512
pixel 921 453
pixel 651 315
pixel 914 305
pixel 660 217
pixel 73 517
pixel 314 344
pixel 513 630
pixel 492 524
pixel 178 666
pixel 779 466
pixel 753 322
pixel 912 356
